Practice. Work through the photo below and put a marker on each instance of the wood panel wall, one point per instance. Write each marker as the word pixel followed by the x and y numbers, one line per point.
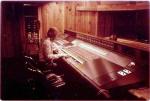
pixel 70 13
pixel 75 20
pixel 65 15
pixel 51 15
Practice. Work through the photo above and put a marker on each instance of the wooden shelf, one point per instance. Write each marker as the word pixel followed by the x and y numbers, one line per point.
pixel 127 7
pixel 133 44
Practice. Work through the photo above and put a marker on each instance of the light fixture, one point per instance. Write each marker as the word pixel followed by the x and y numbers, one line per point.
pixel 26 4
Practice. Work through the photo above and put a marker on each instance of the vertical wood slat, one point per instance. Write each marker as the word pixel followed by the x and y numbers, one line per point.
pixel 70 15
pixel 52 15
pixel 90 22
pixel 80 21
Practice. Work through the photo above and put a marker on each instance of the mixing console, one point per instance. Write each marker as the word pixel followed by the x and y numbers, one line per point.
pixel 102 67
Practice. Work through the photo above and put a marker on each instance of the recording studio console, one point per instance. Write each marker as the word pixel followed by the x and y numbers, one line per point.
pixel 102 67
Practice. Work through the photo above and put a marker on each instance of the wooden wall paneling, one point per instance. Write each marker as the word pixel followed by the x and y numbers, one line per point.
pixel 89 22
pixel 41 28
pixel 83 23
pixel 58 12
pixel 82 16
pixel 70 19
pixel 49 19
pixel 62 19
pixel 78 24
pixel 69 16
pixel 59 16
pixel 86 21
pixel 52 15
pixel 73 10
pixel 52 10
pixel 92 23
pixel 78 21
pixel 55 15
pixel 86 18
pixel 66 15
pixel 94 18
pixel 91 18
pixel 96 23
pixel 44 22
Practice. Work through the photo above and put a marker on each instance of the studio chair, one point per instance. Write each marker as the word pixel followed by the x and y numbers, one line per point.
pixel 51 81
pixel 33 66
